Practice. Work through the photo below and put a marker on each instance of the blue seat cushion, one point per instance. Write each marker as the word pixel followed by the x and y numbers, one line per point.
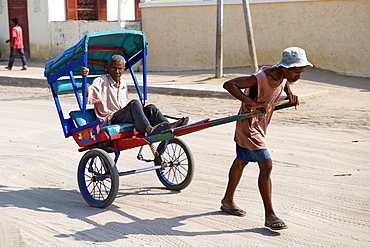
pixel 80 119
pixel 118 128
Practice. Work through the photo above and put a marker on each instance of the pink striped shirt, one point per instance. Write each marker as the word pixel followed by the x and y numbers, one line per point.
pixel 107 98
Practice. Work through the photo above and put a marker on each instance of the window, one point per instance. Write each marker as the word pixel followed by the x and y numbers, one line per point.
pixel 137 9
pixel 86 10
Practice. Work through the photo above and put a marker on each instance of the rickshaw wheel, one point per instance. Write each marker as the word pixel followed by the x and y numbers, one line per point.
pixel 177 164
pixel 98 178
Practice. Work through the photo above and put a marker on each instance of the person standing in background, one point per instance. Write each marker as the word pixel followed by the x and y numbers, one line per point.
pixel 16 44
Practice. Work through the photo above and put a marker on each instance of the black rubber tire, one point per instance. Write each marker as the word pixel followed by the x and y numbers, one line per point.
pixel 98 178
pixel 180 170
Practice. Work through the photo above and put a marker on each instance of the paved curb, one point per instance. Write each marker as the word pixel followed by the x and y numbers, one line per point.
pixel 38 82
pixel 7 80
pixel 185 92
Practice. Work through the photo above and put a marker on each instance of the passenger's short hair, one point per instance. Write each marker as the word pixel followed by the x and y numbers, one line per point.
pixel 117 58
pixel 15 20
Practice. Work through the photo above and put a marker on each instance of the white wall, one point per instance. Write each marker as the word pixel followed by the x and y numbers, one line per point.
pixel 64 34
pixel 126 8
pixel 4 28
pixel 3 17
pixel 57 10
pixel 38 25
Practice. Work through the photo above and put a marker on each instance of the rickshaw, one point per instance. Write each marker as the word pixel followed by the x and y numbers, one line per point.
pixel 97 173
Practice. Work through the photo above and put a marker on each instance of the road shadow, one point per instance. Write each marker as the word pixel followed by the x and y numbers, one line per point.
pixel 71 204
pixel 157 228
pixel 333 78
pixel 311 74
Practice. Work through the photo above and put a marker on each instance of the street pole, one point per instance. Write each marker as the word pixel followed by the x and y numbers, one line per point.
pixel 119 13
pixel 219 39
pixel 250 36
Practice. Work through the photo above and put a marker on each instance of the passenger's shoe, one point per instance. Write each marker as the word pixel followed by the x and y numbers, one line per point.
pixel 181 122
pixel 8 68
pixel 24 68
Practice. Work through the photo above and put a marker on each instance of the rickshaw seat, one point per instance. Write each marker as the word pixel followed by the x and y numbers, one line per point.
pixel 80 120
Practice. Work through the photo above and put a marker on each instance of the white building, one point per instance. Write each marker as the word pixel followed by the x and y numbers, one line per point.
pixel 51 26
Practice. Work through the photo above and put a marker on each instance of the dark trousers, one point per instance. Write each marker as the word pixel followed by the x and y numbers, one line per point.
pixel 12 56
pixel 134 112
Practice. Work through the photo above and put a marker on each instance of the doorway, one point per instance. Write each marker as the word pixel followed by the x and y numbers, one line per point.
pixel 18 9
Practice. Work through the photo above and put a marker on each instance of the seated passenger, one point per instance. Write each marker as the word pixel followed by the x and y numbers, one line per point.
pixel 109 95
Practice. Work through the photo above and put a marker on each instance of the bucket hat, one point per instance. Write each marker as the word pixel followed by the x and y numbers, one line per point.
pixel 293 57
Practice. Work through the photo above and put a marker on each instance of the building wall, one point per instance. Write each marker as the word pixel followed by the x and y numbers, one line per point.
pixel 50 33
pixel 121 10
pixel 4 29
pixel 39 16
pixel 333 33
pixel 67 33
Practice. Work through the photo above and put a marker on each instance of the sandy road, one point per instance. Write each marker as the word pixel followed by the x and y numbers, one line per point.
pixel 321 178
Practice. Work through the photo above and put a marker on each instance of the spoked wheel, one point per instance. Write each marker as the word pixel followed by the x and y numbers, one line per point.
pixel 177 164
pixel 98 178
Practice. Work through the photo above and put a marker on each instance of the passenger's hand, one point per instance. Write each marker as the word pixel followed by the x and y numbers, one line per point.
pixel 7 41
pixel 84 71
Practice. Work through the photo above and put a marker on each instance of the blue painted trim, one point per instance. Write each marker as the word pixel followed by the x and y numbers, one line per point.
pixel 86 126
pixel 65 70
pixel 60 112
pixel 145 86
pixel 116 154
pixel 75 89
pixel 129 65
pixel 84 83
pixel 140 170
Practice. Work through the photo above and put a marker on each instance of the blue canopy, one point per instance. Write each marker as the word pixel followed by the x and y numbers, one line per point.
pixel 125 42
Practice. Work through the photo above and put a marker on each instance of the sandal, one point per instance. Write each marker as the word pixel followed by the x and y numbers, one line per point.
pixel 156 130
pixel 181 122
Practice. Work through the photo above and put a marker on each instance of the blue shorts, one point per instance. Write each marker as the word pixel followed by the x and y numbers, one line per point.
pixel 245 154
